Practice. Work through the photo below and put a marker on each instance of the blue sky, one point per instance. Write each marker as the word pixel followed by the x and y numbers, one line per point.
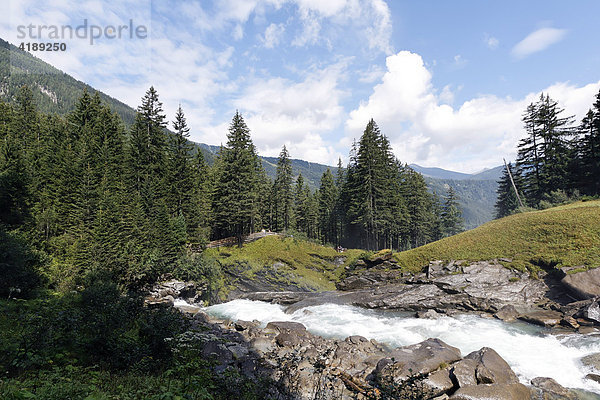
pixel 446 81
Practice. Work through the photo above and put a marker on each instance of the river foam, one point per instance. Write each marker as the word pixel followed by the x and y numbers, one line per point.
pixel 531 351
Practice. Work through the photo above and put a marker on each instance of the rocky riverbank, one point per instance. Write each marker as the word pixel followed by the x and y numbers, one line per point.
pixel 300 365
pixel 557 299
pixel 305 366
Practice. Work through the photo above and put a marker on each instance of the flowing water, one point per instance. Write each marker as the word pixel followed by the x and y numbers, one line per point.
pixel 531 351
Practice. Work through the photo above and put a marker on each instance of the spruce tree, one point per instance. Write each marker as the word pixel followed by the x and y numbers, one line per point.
pixel 236 196
pixel 588 166
pixel 327 196
pixel 451 216
pixel 180 167
pixel 283 192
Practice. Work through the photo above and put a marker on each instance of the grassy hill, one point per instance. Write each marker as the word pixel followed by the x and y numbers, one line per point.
pixel 567 235
pixel 280 263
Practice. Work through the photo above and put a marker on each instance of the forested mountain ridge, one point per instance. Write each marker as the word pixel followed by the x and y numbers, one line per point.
pixel 57 92
pixel 54 91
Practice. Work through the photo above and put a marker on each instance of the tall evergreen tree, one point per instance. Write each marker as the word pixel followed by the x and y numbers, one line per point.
pixel 327 196
pixel 283 191
pixel 180 167
pixel 236 197
pixel 588 167
pixel 451 217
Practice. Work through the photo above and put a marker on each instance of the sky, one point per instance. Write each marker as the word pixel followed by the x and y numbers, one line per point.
pixel 446 81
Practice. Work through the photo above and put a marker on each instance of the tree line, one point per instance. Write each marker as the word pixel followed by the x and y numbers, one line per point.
pixel 556 160
pixel 87 196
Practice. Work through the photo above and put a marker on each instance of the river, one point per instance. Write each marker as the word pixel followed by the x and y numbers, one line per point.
pixel 531 351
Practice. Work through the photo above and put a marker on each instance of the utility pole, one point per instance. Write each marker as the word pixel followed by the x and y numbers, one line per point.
pixel 513 183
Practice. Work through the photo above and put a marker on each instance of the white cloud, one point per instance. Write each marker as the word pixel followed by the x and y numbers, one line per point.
pixel 273 35
pixel 459 61
pixel 279 111
pixel 538 41
pixel 469 137
pixel 491 42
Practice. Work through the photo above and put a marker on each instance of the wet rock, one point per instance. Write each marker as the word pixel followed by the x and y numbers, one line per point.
pixel 508 313
pixel 592 360
pixel 584 285
pixel 551 390
pixel 283 326
pixel 429 314
pixel 276 297
pixel 593 377
pixel 585 330
pixel 513 391
pixel 545 318
pixel 491 368
pixel 592 312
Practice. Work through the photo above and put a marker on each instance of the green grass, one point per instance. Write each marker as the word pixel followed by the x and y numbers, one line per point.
pixel 562 236
pixel 309 264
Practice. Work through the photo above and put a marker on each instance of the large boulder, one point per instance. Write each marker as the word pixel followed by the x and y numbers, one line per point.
pixel 584 285
pixel 421 358
pixel 491 368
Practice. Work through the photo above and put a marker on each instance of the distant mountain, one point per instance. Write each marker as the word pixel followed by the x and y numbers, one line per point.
pixel 476 192
pixel 311 172
pixel 439 173
pixel 57 92
pixel 492 174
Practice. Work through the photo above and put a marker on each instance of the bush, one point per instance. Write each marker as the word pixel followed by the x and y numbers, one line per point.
pixel 201 268
pixel 98 326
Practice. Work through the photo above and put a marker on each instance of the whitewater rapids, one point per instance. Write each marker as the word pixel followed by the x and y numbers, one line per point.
pixel 531 351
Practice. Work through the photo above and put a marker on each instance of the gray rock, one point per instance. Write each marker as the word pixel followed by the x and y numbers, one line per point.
pixel 463 372
pixel 584 285
pixel 491 368
pixel 592 360
pixel 438 383
pixel 551 389
pixel 420 358
pixel 508 313
pixel 512 391
pixel 546 318
pixel 592 312
pixel 282 326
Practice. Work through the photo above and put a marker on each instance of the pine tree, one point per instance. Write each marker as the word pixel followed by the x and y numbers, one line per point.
pixel 180 168
pixel 544 156
pixel 588 165
pixel 283 192
pixel 451 216
pixel 327 196
pixel 301 205
pixel 236 197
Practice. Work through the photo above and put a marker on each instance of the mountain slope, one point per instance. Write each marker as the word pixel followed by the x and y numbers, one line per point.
pixel 567 235
pixel 53 90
